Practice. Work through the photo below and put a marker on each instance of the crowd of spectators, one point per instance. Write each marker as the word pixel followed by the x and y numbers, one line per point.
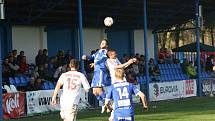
pixel 45 68
pixel 50 68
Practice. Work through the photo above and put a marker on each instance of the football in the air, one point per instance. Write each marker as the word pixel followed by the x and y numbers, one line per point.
pixel 108 21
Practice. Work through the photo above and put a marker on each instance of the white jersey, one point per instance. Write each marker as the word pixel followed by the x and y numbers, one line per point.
pixel 72 83
pixel 112 63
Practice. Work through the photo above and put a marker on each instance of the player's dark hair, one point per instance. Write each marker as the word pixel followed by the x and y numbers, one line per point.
pixel 109 51
pixel 105 40
pixel 74 63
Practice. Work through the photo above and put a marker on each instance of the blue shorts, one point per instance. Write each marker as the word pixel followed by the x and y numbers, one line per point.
pixel 101 78
pixel 123 118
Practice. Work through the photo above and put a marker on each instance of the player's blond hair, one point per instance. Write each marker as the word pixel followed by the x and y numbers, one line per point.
pixel 119 73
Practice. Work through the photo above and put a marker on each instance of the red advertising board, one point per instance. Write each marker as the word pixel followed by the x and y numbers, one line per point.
pixel 13 105
pixel 189 87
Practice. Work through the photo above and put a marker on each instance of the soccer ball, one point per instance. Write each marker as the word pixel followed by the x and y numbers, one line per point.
pixel 108 21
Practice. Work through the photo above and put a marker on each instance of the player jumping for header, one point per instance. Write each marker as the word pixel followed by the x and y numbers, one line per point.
pixel 101 77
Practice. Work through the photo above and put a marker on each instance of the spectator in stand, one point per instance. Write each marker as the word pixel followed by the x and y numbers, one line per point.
pixel 47 74
pixel 135 68
pixel 168 56
pixel 151 66
pixel 38 59
pixel 52 65
pixel 137 56
pixel 141 65
pixel 161 61
pixel 12 66
pixel 14 54
pixel 9 54
pixel 23 65
pixel 31 86
pixel 45 58
pixel 131 78
pixel 35 73
pixel 41 71
pixel 61 58
pixel 68 56
pixel 59 71
pixel 5 68
pixel 156 71
pixel 161 54
pixel 125 58
pixel 19 57
pixel 190 70
pixel 209 63
pixel 38 84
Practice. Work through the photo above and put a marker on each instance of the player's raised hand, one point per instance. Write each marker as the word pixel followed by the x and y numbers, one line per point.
pixel 134 60
pixel 84 57
pixel 130 61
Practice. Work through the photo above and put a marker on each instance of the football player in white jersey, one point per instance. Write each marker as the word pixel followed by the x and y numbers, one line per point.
pixel 113 63
pixel 72 82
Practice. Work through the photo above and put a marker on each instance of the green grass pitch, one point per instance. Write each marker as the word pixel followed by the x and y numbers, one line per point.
pixel 190 109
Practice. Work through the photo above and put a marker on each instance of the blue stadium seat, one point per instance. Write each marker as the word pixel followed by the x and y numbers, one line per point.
pixel 158 78
pixel 171 78
pixel 17 81
pixel 12 81
pixel 177 77
pixel 162 71
pixel 51 85
pixel 159 66
pixel 45 86
pixel 23 81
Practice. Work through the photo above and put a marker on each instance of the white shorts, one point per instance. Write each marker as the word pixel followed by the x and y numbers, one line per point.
pixel 69 115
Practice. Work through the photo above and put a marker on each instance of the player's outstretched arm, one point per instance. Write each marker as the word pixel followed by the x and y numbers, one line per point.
pixel 126 64
pixel 57 88
pixel 88 57
pixel 143 99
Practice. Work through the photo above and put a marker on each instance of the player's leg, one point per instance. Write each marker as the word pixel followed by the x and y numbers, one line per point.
pixel 100 95
pixel 71 115
pixel 62 107
pixel 97 84
pixel 111 118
